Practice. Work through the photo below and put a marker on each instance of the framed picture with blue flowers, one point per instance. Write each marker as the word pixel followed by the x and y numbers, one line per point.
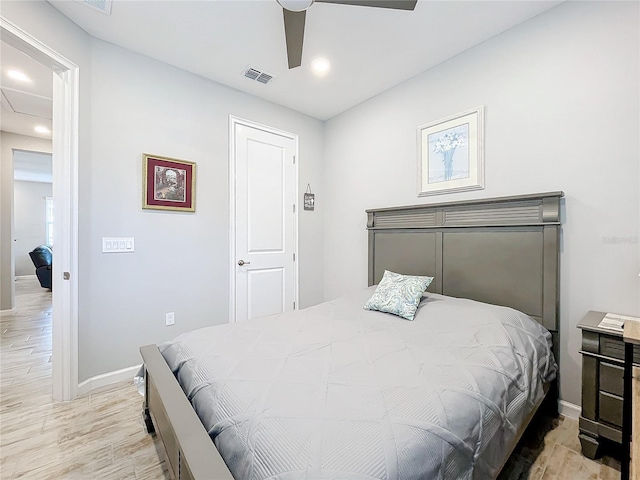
pixel 451 154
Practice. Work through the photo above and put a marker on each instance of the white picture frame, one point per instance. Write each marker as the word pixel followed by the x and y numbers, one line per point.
pixel 451 154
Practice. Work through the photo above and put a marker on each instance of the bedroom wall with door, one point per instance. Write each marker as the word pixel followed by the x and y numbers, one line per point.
pixel 562 113
pixel 130 105
pixel 181 262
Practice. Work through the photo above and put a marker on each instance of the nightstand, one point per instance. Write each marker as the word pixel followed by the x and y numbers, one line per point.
pixel 631 337
pixel 603 356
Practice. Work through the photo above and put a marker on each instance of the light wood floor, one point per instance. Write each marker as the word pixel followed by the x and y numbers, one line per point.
pixel 97 436
pixel 101 435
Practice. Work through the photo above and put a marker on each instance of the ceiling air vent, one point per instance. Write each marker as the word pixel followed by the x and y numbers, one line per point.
pixel 257 75
pixel 103 5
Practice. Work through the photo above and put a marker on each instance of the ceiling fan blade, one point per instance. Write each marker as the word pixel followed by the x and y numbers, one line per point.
pixel 294 33
pixel 395 4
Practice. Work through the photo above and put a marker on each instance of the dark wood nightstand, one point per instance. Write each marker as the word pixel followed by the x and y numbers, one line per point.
pixel 603 356
pixel 631 337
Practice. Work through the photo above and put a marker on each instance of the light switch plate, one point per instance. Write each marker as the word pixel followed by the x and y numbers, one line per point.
pixel 118 244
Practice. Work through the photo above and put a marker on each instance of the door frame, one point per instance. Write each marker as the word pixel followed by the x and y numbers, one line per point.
pixel 66 95
pixel 233 123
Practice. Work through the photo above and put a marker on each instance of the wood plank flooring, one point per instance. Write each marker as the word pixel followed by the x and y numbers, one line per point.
pixel 97 436
pixel 101 435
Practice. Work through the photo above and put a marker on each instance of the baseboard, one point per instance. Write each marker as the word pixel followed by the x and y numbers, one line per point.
pixel 107 379
pixel 569 410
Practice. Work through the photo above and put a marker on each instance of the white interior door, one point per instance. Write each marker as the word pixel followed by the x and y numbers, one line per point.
pixel 265 221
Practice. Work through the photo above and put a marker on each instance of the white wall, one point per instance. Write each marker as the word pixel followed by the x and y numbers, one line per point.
pixel 29 222
pixel 562 113
pixel 9 142
pixel 181 260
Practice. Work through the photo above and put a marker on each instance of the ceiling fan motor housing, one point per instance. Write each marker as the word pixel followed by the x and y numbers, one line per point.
pixel 295 5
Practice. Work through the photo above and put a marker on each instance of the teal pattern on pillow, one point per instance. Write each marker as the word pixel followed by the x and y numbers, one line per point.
pixel 398 294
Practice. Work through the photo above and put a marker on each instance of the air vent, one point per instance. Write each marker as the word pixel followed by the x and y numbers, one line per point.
pixel 257 75
pixel 103 5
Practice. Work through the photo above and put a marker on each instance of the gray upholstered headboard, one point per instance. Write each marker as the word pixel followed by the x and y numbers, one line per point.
pixel 503 251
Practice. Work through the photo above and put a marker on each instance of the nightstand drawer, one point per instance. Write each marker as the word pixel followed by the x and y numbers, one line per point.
pixel 614 347
pixel 612 378
pixel 610 409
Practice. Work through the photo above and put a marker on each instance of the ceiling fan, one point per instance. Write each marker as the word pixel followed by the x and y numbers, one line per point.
pixel 295 12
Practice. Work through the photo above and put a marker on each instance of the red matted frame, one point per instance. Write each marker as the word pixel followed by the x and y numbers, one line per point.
pixel 168 183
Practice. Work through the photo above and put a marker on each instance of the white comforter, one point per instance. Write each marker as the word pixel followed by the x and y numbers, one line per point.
pixel 338 392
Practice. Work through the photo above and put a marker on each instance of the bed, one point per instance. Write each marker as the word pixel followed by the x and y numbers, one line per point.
pixel 336 391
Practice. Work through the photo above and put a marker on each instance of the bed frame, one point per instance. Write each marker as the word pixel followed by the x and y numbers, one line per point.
pixel 503 251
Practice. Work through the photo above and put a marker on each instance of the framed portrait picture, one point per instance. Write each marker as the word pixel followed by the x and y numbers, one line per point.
pixel 451 154
pixel 168 184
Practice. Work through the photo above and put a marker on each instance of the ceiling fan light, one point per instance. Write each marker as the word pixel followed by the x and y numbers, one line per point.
pixel 295 5
pixel 18 75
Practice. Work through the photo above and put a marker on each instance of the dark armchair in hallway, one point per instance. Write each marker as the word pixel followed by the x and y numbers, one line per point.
pixel 42 258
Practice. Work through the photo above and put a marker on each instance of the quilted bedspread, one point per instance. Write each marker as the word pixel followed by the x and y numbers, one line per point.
pixel 338 392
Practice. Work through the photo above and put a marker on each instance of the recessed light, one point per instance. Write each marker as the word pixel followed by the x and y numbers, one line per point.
pixel 18 75
pixel 42 129
pixel 320 66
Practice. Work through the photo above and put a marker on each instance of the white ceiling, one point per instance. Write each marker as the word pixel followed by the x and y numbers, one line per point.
pixel 370 49
pixel 25 105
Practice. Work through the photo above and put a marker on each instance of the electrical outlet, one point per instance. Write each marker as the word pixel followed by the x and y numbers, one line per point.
pixel 171 318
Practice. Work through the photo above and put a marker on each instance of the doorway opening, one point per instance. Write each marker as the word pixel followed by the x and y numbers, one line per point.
pixel 32 211
pixel 64 77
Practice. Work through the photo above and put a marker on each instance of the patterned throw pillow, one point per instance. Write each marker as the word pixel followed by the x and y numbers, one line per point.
pixel 398 294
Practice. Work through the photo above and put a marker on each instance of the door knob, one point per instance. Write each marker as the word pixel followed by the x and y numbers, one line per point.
pixel 242 262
